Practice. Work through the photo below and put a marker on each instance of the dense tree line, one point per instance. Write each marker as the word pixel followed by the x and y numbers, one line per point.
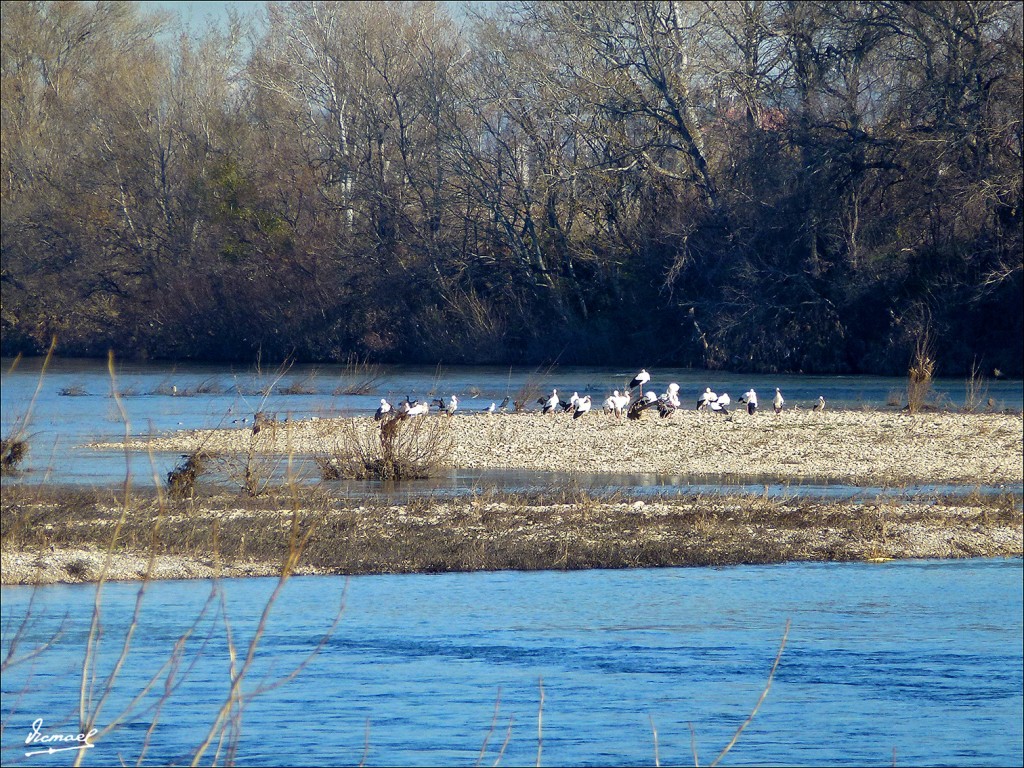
pixel 756 185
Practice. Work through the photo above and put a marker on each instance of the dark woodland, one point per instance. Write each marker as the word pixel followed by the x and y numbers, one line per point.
pixel 757 186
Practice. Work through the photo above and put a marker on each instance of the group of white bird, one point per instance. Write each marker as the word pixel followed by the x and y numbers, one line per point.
pixel 616 404
pixel 409 407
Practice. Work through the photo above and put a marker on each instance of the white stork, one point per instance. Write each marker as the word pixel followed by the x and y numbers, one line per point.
pixel 551 403
pixel 669 401
pixel 707 397
pixel 750 398
pixel 778 402
pixel 616 404
pixel 721 403
pixel 622 401
pixel 639 380
pixel 672 395
pixel 382 410
pixel 582 406
pixel 415 409
pixel 820 405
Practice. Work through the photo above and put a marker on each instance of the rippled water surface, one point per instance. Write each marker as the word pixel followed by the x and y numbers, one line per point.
pixel 161 398
pixel 920 662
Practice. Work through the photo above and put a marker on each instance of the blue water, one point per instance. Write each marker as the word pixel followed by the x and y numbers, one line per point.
pixel 211 396
pixel 918 661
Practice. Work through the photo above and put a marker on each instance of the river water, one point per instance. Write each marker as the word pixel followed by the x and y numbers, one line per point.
pixel 74 406
pixel 917 662
pixel 920 662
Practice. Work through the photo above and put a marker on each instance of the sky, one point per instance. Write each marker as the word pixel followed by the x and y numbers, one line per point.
pixel 199 13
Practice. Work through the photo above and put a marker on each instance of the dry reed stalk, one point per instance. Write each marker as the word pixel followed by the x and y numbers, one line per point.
pixel 975 389
pixel 760 701
pixel 490 731
pixel 531 389
pixel 919 378
pixel 359 376
pixel 540 720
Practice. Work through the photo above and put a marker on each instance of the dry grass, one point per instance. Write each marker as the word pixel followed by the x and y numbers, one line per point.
pixel 531 389
pixel 401 449
pixel 359 377
pixel 181 481
pixel 12 453
pixel 14 446
pixel 919 377
pixel 499 531
pixel 304 386
pixel 975 390
pixel 103 526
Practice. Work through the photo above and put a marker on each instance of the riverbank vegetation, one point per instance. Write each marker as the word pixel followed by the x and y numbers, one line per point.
pixel 61 534
pixel 770 186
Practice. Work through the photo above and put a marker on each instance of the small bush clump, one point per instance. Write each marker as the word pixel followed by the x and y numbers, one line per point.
pixel 359 377
pixel 402 449
pixel 181 481
pixel 12 452
pixel 919 380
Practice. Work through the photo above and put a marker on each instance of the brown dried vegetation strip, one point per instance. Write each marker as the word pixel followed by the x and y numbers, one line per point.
pixel 61 534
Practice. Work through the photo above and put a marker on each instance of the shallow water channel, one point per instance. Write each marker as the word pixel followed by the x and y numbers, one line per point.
pixel 917 663
pixel 73 406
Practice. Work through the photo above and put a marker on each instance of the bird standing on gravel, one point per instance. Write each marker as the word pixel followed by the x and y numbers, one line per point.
pixel 551 403
pixel 669 402
pixel 778 402
pixel 616 403
pixel 582 406
pixel 820 405
pixel 639 380
pixel 672 395
pixel 721 403
pixel 706 398
pixel 750 398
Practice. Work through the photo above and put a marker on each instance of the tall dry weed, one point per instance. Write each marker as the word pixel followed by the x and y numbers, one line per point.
pixel 920 374
pixel 401 449
pixel 359 377
pixel 975 389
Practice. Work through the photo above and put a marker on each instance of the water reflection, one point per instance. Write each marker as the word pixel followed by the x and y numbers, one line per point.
pixel 462 483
